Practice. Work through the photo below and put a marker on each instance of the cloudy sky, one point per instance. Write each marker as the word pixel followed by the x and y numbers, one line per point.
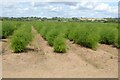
pixel 93 9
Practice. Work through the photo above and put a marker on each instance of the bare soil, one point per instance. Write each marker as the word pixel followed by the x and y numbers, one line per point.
pixel 39 61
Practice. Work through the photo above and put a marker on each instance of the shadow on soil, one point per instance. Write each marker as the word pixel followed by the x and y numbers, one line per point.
pixel 3 40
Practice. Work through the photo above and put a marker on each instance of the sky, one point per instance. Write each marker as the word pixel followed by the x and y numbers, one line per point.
pixel 52 8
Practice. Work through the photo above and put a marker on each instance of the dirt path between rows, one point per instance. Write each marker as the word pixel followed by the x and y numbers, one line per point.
pixel 39 61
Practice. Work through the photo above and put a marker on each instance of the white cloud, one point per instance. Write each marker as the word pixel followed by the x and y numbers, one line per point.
pixel 60 1
pixel 60 9
pixel 21 10
pixel 107 8
pixel 102 6
pixel 87 4
pixel 53 8
pixel 114 11
pixel 74 7
pixel 96 6
pixel 25 9
pixel 56 8
pixel 76 0
pixel 33 3
pixel 84 5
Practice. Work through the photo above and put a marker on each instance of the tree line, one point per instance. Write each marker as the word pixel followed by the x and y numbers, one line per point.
pixel 57 19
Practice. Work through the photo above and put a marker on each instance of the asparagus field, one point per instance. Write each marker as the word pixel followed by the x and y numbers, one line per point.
pixel 56 33
pixel 85 34
pixel 68 49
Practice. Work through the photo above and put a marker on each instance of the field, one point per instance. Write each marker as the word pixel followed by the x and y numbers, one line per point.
pixel 68 49
pixel 85 34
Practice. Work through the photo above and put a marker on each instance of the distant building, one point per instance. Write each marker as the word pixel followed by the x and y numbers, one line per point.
pixel 93 19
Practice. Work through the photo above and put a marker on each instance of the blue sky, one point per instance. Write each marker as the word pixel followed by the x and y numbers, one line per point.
pixel 89 9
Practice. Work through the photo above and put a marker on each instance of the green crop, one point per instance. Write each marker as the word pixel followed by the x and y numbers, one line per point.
pixel 21 38
pixel 109 35
pixel 51 36
pixel 59 45
pixel 86 34
pixel 7 29
pixel 0 30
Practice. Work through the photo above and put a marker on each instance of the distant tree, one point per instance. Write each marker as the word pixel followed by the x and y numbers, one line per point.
pixel 75 19
pixel 54 18
pixel 44 18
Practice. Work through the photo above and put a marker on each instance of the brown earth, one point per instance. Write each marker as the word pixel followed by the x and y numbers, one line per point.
pixel 39 61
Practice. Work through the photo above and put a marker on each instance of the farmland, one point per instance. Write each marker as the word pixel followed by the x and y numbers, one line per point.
pixel 85 34
pixel 90 47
